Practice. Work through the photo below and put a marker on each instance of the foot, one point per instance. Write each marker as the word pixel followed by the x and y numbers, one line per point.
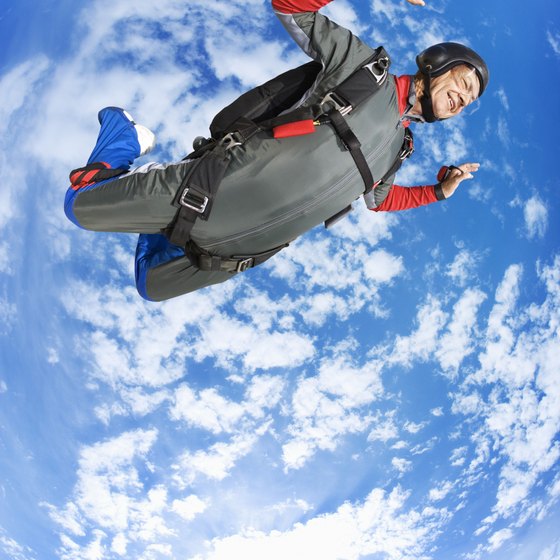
pixel 146 138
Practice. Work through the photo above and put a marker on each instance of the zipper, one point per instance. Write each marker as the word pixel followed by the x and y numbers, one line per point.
pixel 284 218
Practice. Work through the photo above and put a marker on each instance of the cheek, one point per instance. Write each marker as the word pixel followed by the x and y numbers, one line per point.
pixel 439 100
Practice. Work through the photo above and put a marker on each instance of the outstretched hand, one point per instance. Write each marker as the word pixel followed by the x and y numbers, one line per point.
pixel 417 2
pixel 456 176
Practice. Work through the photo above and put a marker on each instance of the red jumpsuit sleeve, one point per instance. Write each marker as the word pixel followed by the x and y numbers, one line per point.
pixel 298 6
pixel 404 198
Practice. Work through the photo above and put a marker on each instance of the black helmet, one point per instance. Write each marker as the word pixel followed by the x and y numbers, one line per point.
pixel 440 58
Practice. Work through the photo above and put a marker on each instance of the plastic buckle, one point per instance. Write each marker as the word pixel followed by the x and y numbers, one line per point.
pixel 243 265
pixel 381 64
pixel 231 140
pixel 194 200
pixel 338 103
pixel 408 149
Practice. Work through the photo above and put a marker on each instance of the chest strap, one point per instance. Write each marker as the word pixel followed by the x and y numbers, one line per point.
pixel 353 145
pixel 346 97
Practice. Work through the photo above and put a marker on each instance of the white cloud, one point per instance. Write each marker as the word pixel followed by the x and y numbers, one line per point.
pixel 554 41
pixel 207 410
pixel 502 96
pixel 364 225
pixel 458 340
pixel 462 268
pixel 219 459
pixel 378 526
pixel 291 504
pixel 5 259
pixel 458 456
pixel 13 549
pixel 382 267
pixel 414 427
pixel 226 339
pixel 110 498
pixel 17 85
pixel 384 429
pixel 344 14
pixel 551 552
pixel 520 413
pixel 327 406
pixel 189 507
pixel 8 314
pixel 536 217
pixel 401 465
pixel 421 343
pixel 498 538
pixel 439 493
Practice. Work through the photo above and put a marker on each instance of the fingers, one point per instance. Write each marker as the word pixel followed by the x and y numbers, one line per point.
pixel 465 171
pixel 417 2
pixel 469 167
pixel 457 175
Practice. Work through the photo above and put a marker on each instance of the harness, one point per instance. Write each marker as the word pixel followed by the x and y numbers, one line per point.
pixel 211 157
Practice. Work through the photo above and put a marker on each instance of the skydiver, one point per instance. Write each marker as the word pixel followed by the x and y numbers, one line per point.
pixel 254 187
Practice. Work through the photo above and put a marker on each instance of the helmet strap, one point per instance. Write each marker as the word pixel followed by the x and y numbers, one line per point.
pixel 426 101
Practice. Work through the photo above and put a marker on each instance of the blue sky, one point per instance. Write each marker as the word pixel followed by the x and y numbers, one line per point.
pixel 389 389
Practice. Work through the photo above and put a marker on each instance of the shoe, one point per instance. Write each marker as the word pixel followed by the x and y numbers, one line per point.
pixel 146 138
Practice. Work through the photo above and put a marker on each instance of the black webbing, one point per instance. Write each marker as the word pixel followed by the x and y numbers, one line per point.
pixel 353 145
pixel 238 263
pixel 195 196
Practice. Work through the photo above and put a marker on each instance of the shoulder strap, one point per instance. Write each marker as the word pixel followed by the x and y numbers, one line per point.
pixel 267 100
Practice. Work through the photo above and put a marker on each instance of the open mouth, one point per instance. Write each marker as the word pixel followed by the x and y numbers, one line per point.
pixel 451 103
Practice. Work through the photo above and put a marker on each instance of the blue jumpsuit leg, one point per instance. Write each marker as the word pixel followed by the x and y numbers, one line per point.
pixel 117 145
pixel 152 250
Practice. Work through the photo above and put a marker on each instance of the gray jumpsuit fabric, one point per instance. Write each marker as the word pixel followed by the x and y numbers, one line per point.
pixel 274 189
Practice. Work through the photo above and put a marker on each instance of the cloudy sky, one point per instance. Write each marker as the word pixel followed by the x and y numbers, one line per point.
pixel 387 390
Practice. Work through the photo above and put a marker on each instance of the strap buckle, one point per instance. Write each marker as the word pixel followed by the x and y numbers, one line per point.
pixel 379 69
pixel 231 140
pixel 407 147
pixel 338 103
pixel 245 264
pixel 194 199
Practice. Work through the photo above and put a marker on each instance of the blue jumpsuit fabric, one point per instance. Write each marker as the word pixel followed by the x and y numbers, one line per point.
pixel 118 146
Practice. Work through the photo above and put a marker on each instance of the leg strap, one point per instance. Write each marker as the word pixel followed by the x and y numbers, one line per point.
pixel 239 263
pixel 195 196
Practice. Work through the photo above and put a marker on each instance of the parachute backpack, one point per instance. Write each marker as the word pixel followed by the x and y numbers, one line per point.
pixel 268 109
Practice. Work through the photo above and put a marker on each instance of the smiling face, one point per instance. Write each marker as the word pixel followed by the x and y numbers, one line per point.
pixel 451 92
pixel 454 90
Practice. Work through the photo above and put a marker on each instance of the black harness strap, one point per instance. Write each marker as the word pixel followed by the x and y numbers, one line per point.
pixel 353 145
pixel 238 263
pixel 196 194
pixel 350 94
